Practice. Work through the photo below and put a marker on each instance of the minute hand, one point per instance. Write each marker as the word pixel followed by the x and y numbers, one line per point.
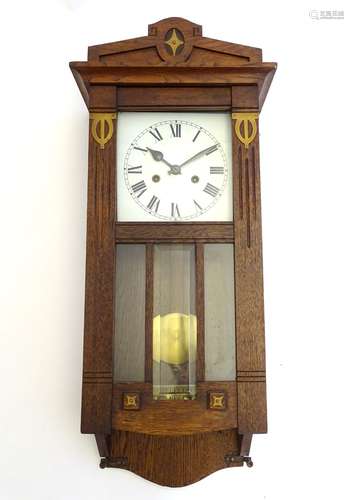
pixel 199 155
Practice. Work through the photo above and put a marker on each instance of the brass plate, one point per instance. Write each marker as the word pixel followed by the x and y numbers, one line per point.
pixel 174 338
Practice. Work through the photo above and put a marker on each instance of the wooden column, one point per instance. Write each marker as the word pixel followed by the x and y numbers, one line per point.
pixel 100 263
pixel 200 306
pixel 250 349
pixel 149 311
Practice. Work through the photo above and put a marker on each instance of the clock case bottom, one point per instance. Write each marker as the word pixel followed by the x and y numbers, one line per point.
pixel 174 460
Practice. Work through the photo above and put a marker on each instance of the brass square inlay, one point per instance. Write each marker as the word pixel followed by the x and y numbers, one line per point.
pixel 217 401
pixel 131 401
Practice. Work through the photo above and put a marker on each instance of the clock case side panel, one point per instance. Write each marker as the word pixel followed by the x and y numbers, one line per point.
pixel 100 263
pixel 250 335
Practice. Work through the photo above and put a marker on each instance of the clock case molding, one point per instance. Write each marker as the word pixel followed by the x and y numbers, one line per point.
pixel 150 73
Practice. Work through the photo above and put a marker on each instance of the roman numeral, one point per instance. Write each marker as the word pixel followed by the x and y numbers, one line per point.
pixel 212 149
pixel 176 130
pixel 140 149
pixel 139 187
pixel 175 210
pixel 217 170
pixel 135 170
pixel 196 135
pixel 154 201
pixel 156 134
pixel 197 205
pixel 210 189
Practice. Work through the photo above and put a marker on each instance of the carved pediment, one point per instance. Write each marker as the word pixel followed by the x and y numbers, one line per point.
pixel 174 42
pixel 173 53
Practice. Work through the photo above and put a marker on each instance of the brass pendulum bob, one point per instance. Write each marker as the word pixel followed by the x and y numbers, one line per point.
pixel 174 344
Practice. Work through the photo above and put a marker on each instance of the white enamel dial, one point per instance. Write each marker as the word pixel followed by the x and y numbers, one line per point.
pixel 175 167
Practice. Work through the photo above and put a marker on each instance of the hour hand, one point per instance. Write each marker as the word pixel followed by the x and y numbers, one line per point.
pixel 157 155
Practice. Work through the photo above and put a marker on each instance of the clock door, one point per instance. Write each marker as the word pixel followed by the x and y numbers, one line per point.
pixel 176 332
pixel 175 167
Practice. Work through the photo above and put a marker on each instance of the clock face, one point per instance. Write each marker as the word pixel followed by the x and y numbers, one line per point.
pixel 174 167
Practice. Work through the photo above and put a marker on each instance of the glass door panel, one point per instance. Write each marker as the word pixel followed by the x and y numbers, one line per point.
pixel 174 322
pixel 219 312
pixel 129 338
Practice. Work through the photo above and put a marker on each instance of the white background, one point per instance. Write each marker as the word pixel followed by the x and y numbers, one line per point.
pixel 307 187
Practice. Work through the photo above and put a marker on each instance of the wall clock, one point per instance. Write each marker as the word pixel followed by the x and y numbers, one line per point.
pixel 174 362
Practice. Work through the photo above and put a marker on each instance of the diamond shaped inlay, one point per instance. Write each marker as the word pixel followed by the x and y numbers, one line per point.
pixel 174 42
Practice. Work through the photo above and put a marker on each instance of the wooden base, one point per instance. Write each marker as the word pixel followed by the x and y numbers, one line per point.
pixel 175 461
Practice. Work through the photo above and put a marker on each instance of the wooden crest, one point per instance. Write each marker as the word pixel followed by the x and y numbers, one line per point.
pixel 174 41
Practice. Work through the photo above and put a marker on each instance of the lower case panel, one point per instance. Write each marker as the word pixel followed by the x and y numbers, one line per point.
pixel 173 460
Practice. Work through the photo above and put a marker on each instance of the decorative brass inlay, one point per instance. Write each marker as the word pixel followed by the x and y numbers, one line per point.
pixel 174 338
pixel 217 401
pixel 102 133
pixel 245 119
pixel 174 41
pixel 131 401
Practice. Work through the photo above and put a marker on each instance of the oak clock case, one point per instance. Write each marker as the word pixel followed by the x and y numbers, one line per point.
pixel 174 359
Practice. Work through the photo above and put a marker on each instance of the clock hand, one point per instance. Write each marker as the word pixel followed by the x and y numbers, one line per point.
pixel 200 154
pixel 158 156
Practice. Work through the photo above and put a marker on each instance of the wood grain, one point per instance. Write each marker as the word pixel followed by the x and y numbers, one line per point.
pixel 185 232
pixel 174 460
pixel 245 97
pixel 245 444
pixel 145 98
pixel 259 75
pixel 174 417
pixel 103 98
pixel 211 52
pixel 100 289
pixel 250 344
pixel 199 273
pixel 202 61
pixel 252 407
pixel 103 444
